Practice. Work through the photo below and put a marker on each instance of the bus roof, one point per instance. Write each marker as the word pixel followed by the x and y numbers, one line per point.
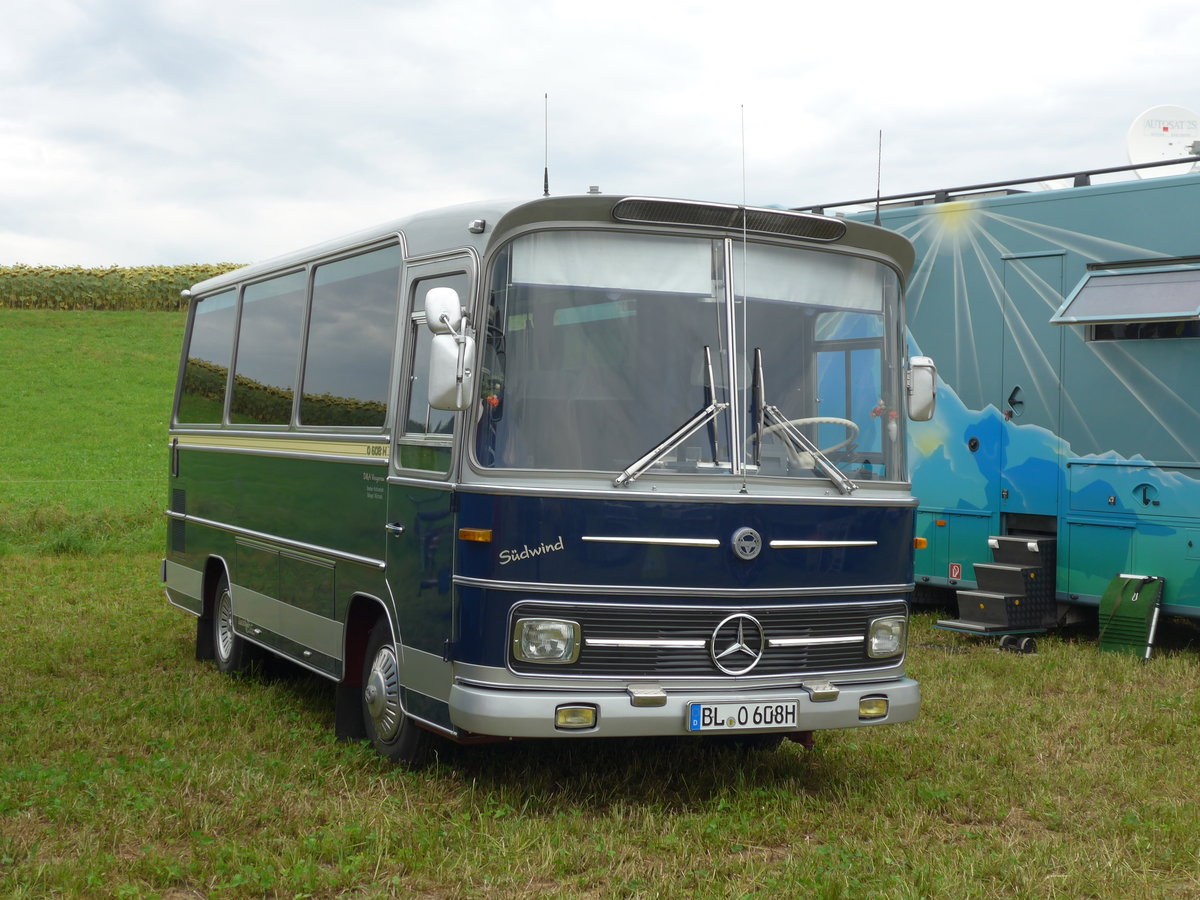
pixel 476 225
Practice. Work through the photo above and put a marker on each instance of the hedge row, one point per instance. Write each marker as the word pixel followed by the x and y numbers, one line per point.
pixel 137 288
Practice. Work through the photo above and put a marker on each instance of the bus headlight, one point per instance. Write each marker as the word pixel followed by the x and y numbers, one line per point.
pixel 546 641
pixel 886 636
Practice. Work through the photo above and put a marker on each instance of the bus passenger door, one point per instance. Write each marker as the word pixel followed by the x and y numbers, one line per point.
pixel 420 526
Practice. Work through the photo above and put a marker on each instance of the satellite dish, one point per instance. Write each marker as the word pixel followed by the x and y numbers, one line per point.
pixel 1161 133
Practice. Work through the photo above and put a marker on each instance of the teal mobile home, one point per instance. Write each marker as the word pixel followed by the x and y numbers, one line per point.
pixel 1064 324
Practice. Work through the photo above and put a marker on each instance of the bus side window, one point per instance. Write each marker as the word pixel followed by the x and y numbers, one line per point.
pixel 428 432
pixel 268 351
pixel 210 349
pixel 351 339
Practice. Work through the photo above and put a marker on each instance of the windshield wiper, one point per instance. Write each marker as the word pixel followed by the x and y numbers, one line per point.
pixel 764 416
pixel 683 432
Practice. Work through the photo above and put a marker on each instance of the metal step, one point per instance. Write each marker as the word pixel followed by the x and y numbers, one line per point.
pixel 1023 550
pixel 1007 578
pixel 988 607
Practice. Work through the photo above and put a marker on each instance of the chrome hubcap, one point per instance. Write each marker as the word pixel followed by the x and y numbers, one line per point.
pixel 381 694
pixel 225 633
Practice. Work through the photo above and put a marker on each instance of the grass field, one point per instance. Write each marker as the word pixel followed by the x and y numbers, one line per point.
pixel 127 769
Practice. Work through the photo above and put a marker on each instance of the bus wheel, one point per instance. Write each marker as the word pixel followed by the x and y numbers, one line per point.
pixel 393 734
pixel 229 649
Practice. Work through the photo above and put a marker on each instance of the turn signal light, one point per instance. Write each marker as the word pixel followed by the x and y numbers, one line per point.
pixel 478 535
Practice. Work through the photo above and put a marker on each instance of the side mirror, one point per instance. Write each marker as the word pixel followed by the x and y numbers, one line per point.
pixel 451 378
pixel 443 311
pixel 922 388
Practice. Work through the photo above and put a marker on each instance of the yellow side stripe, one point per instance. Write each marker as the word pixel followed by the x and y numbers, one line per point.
pixel 290 444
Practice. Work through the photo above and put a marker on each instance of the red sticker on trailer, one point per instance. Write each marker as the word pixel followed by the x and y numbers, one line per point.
pixel 955 571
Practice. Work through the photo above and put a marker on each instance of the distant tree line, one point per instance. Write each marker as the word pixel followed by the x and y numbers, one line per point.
pixel 115 288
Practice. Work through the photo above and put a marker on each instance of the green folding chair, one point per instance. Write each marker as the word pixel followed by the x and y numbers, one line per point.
pixel 1129 614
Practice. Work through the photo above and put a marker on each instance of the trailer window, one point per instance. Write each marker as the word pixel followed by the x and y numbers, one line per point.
pixel 1165 297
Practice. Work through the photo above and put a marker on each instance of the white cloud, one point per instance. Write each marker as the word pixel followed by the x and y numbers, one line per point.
pixel 133 131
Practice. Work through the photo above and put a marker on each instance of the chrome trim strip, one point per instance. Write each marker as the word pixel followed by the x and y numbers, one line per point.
pixel 557 681
pixel 819 545
pixel 815 642
pixel 439 483
pixel 833 604
pixel 807 498
pixel 280 541
pixel 622 590
pixel 645 643
pixel 665 542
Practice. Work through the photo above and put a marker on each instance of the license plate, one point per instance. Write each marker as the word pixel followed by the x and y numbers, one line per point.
pixel 767 714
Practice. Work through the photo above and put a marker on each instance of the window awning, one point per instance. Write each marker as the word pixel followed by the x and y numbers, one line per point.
pixel 1160 293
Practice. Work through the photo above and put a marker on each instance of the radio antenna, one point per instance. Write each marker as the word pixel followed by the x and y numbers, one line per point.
pixel 734 388
pixel 743 111
pixel 878 176
pixel 546 135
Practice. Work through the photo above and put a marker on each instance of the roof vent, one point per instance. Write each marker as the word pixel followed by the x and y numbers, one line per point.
pixel 730 218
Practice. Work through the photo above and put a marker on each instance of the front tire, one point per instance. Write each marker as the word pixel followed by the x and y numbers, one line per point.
pixel 391 732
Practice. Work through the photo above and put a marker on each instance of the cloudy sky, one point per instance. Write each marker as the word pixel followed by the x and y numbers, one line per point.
pixel 175 131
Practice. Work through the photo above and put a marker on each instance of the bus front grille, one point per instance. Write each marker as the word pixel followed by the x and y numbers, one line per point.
pixel 640 641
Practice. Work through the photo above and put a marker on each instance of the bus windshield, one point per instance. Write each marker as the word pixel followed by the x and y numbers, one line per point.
pixel 608 350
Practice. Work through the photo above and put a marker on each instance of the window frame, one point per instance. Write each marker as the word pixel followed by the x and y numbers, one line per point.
pixel 398 336
pixel 464 264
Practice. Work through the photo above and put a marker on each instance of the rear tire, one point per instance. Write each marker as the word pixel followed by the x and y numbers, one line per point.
pixel 230 650
pixel 391 732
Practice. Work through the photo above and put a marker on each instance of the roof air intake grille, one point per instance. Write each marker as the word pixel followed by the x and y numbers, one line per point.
pixel 728 217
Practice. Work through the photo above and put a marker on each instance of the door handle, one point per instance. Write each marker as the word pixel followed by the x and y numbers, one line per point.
pixel 1016 405
pixel 395 529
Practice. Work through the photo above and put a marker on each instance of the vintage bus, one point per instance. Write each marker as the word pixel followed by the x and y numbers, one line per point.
pixel 579 466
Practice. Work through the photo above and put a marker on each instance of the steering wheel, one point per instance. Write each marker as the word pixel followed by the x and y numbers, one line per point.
pixel 851 428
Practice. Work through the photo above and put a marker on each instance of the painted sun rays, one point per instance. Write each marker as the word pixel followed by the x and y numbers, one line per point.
pixel 970 237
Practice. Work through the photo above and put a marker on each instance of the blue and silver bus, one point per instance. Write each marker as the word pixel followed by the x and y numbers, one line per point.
pixel 579 466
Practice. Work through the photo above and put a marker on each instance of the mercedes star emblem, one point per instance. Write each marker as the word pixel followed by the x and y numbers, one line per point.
pixel 737 644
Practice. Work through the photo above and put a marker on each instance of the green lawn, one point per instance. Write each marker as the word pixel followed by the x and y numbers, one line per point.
pixel 129 769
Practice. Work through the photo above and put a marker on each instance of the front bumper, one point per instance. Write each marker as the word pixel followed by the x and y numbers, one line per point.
pixel 510 712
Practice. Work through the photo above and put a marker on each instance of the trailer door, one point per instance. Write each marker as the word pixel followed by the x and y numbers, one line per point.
pixel 1031 391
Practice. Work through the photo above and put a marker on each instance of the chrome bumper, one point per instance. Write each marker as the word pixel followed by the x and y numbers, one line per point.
pixel 511 712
